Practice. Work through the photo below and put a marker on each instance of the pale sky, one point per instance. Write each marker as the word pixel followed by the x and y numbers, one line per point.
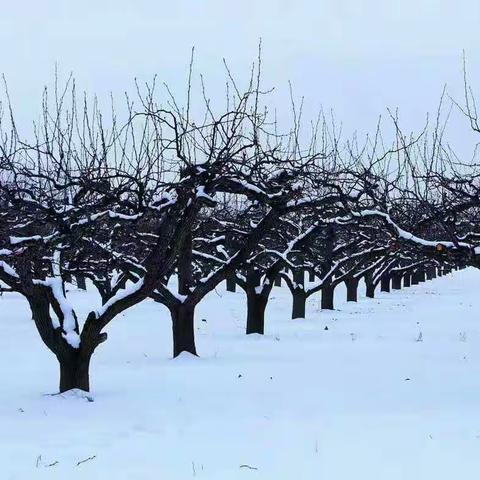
pixel 355 57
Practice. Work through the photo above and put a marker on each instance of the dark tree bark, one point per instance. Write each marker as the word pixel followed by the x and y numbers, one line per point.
pixel 74 371
pixel 256 305
pixel 278 281
pixel 311 275
pixel 299 302
pixel 396 281
pixel 298 294
pixel 328 297
pixel 183 327
pixel 231 284
pixel 81 283
pixel 74 362
pixel 370 286
pixel 407 279
pixel 352 289
pixel 421 276
pixel 385 283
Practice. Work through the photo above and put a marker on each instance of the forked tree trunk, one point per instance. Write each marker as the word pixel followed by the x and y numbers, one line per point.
pixel 74 363
pixel 256 305
pixel 352 289
pixel 74 371
pixel 298 305
pixel 183 328
pixel 385 283
pixel 328 297
pixel 396 281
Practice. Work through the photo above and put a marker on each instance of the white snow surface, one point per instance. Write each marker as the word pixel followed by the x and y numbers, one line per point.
pixel 390 391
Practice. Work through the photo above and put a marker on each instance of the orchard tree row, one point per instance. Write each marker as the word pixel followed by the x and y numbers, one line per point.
pixel 166 206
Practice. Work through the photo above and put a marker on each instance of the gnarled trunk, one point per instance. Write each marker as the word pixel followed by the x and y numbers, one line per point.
pixel 74 371
pixel 183 328
pixel 81 282
pixel 74 362
pixel 231 284
pixel 385 283
pixel 256 305
pixel 421 276
pixel 352 289
pixel 298 305
pixel 396 281
pixel 327 297
pixel 369 285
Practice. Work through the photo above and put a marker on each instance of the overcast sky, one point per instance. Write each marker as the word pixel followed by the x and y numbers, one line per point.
pixel 356 57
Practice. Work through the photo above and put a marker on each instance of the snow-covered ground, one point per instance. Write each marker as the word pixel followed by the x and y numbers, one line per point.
pixel 390 391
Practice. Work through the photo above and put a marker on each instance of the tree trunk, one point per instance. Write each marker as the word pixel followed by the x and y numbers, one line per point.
pixel 311 275
pixel 74 362
pixel 256 305
pixel 81 283
pixel 407 279
pixel 231 284
pixel 327 297
pixel 352 289
pixel 278 281
pixel 396 281
pixel 183 327
pixel 369 285
pixel 421 276
pixel 429 273
pixel 299 301
pixel 414 280
pixel 74 371
pixel 385 283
